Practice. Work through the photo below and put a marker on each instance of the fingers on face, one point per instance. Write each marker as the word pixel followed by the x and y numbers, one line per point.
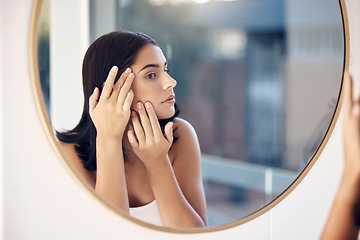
pixel 109 83
pixel 123 85
pixel 127 102
pixel 153 119
pixel 146 126
pixel 122 78
pixel 138 130
pixel 125 90
pixel 145 122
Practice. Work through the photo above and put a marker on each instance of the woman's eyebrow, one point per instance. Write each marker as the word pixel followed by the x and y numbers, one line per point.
pixel 152 65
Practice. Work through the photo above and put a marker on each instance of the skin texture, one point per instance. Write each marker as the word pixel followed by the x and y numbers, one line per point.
pixel 153 84
pixel 341 224
pixel 126 115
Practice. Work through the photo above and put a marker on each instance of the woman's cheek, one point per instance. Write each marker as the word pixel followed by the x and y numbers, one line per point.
pixel 136 100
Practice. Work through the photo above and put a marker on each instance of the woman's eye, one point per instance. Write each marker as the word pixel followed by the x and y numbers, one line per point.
pixel 166 70
pixel 150 76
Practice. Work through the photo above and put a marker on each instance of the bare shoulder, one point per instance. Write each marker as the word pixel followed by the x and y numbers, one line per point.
pixel 187 143
pixel 183 128
pixel 69 152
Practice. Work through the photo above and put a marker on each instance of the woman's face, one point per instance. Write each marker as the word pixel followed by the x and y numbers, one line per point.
pixel 152 82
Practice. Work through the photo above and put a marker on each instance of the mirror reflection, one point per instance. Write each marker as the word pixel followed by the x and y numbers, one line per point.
pixel 258 81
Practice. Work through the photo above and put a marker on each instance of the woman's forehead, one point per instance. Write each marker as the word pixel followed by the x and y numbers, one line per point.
pixel 149 54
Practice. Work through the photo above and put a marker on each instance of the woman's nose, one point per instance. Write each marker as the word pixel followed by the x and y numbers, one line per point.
pixel 169 82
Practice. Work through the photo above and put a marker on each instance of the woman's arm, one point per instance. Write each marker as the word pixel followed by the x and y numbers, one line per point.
pixel 341 223
pixel 187 167
pixel 110 116
pixel 177 189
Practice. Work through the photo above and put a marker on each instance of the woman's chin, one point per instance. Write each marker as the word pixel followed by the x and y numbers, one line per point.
pixel 166 115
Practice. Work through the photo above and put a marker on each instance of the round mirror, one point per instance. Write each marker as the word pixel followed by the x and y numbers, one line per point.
pixel 259 81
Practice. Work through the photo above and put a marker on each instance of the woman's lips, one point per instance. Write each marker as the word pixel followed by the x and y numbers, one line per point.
pixel 170 99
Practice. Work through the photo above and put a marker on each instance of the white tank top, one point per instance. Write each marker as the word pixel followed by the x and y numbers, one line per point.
pixel 148 213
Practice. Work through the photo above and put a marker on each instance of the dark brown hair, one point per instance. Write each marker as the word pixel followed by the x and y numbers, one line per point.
pixel 119 49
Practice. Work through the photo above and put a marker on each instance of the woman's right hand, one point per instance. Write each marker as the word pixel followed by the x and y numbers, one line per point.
pixel 111 113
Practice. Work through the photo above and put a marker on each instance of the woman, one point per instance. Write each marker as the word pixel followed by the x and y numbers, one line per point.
pixel 122 149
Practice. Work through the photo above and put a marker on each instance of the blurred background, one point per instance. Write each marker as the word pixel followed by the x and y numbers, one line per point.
pixel 258 80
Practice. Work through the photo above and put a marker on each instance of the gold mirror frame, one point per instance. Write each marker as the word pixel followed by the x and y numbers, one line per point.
pixel 40 105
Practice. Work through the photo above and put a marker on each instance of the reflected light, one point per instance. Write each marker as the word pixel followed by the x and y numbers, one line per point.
pixel 229 43
pixel 200 1
pixel 157 2
pixel 176 2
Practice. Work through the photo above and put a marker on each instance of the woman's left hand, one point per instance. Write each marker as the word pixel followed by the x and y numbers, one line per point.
pixel 351 131
pixel 146 137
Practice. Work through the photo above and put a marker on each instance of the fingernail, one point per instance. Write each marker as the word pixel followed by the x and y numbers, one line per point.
pixel 131 75
pixel 133 114
pixel 147 104
pixel 128 70
pixel 114 69
pixel 94 89
pixel 139 105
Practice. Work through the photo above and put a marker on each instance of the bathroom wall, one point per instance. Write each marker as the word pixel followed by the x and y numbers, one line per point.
pixel 40 199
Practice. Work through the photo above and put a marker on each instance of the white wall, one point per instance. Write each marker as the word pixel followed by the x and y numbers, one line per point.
pixel 1 148
pixel 42 200
pixel 69 18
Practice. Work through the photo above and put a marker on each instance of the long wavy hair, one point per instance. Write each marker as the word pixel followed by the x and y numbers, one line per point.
pixel 117 48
